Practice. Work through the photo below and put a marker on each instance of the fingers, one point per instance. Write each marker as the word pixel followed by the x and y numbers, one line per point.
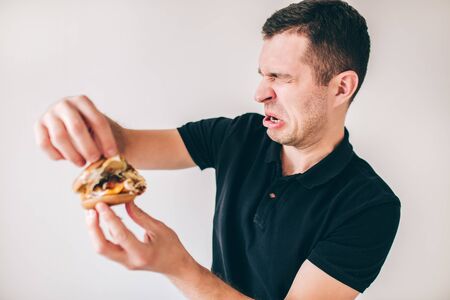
pixel 79 133
pixel 43 140
pixel 119 231
pixel 101 244
pixel 98 123
pixel 141 218
pixel 74 129
pixel 61 139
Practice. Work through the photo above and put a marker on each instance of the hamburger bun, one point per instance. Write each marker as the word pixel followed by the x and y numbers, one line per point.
pixel 110 180
pixel 110 200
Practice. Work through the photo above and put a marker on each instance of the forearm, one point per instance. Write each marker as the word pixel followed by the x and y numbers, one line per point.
pixel 196 282
pixel 155 149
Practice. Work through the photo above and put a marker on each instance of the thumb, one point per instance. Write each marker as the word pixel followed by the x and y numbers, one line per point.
pixel 141 217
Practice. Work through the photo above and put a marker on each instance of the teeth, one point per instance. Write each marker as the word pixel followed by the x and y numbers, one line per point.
pixel 272 119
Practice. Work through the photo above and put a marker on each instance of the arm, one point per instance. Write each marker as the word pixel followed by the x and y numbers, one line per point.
pixel 156 149
pixel 160 251
pixel 196 282
pixel 74 129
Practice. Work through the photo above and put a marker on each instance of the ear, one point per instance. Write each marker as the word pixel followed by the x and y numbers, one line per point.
pixel 344 86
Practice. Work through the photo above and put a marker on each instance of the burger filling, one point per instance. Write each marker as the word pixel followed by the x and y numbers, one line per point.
pixel 111 177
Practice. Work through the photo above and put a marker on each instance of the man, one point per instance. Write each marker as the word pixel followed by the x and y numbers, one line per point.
pixel 298 214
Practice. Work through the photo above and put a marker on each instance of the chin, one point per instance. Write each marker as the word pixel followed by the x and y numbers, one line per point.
pixel 280 137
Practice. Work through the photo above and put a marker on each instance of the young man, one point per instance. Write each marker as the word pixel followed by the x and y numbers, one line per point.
pixel 298 214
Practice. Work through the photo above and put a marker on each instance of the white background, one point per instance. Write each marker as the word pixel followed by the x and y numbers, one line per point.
pixel 159 64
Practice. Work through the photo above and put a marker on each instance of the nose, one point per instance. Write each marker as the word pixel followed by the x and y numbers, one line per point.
pixel 264 92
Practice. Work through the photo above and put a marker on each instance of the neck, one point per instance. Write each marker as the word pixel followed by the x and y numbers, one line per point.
pixel 298 160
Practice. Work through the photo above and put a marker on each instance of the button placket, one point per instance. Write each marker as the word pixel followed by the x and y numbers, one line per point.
pixel 270 198
pixel 266 204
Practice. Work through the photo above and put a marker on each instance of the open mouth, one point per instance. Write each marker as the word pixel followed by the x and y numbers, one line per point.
pixel 273 119
pixel 272 122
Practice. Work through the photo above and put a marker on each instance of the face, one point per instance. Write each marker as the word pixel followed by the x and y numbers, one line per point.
pixel 289 92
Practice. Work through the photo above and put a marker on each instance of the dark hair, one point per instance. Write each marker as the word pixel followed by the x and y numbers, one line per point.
pixel 338 36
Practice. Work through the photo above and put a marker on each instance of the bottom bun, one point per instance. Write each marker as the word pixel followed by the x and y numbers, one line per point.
pixel 89 203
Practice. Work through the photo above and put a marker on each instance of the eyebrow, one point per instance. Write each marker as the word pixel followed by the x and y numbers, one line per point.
pixel 276 75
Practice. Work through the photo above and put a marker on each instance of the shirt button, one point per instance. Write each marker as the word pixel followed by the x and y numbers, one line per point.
pixel 272 196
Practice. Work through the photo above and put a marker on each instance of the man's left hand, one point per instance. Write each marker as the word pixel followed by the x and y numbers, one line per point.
pixel 160 251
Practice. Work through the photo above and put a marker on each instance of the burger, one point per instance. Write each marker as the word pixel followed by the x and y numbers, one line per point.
pixel 110 180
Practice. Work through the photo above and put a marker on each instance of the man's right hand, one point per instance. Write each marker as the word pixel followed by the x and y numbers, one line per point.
pixel 74 129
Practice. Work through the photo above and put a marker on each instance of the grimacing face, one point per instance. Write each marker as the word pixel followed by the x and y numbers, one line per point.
pixel 288 90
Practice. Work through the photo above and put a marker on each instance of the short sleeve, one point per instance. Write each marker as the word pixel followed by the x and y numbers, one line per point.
pixel 203 139
pixel 355 251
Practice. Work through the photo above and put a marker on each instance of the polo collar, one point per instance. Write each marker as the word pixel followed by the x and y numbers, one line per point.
pixel 323 171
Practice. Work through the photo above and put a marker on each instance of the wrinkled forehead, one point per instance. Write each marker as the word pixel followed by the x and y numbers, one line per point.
pixel 283 52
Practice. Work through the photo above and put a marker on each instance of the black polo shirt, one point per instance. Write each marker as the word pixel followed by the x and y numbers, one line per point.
pixel 339 214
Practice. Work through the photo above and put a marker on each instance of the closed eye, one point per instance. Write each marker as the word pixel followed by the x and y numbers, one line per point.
pixel 272 76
